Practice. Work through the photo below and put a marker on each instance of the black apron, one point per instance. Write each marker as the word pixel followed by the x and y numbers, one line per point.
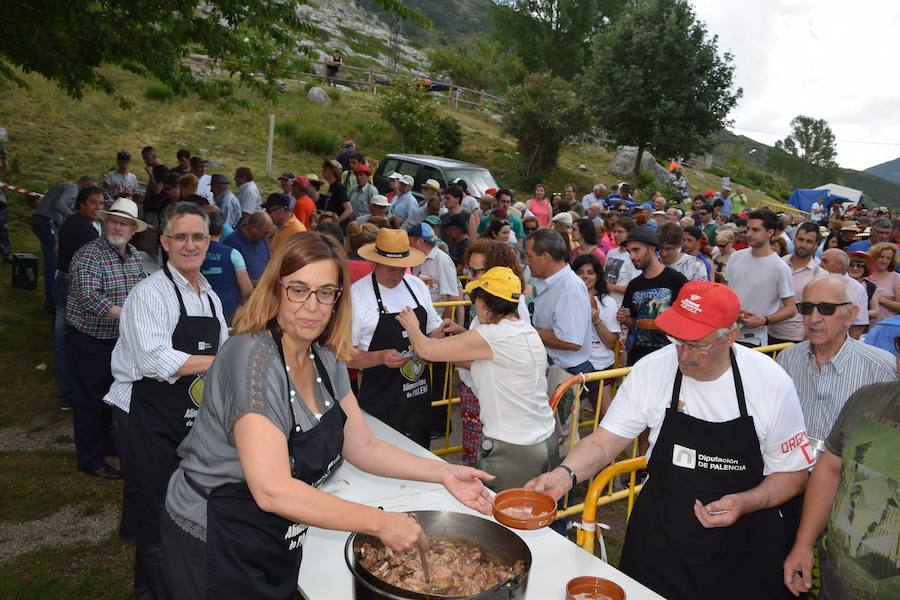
pixel 160 417
pixel 666 547
pixel 251 553
pixel 399 397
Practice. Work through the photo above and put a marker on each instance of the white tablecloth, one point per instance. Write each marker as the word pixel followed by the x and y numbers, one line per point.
pixel 324 574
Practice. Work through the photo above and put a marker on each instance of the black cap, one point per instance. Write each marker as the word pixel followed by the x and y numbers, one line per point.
pixel 197 160
pixel 457 220
pixel 643 234
pixel 219 179
pixel 123 155
pixel 286 175
pixel 276 200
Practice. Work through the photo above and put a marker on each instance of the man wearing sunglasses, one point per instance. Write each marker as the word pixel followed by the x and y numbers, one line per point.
pixel 726 437
pixel 172 325
pixel 853 490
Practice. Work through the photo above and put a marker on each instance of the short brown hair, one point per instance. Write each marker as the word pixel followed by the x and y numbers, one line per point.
pixel 188 184
pixel 496 254
pixel 293 254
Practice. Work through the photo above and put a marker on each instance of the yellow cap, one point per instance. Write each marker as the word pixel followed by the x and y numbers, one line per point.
pixel 498 281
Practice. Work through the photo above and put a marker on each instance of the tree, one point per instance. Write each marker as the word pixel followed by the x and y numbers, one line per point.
pixel 551 35
pixel 253 41
pixel 811 140
pixel 657 81
pixel 481 65
pixel 541 112
pixel 406 106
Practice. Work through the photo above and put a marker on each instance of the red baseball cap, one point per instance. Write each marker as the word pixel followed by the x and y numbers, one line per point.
pixel 301 181
pixel 362 168
pixel 701 308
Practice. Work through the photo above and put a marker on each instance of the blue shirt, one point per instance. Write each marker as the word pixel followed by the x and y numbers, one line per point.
pixel 562 304
pixel 883 333
pixel 403 206
pixel 614 199
pixel 860 246
pixel 219 268
pixel 256 255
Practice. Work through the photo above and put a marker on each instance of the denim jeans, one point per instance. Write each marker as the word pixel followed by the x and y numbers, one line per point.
pixel 60 364
pixel 42 228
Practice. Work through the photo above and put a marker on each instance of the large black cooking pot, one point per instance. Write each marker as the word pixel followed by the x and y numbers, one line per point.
pixel 492 537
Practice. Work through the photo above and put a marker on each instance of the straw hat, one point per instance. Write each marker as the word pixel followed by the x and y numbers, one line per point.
pixel 123 207
pixel 391 248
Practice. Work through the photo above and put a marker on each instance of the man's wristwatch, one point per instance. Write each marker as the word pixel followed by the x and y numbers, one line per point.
pixel 767 321
pixel 571 473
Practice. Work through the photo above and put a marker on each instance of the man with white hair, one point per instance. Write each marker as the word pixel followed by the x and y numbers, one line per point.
pixel 597 195
pixel 837 261
pixel 404 203
pixel 830 365
pixel 102 274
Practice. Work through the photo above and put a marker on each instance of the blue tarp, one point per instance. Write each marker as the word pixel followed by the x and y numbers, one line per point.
pixel 804 199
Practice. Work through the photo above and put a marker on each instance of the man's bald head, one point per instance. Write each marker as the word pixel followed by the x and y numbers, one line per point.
pixel 259 226
pixel 835 261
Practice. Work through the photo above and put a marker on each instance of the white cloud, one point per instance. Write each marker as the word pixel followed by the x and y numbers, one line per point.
pixel 827 59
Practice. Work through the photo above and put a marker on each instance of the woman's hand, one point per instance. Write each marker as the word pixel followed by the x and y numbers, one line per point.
pixel 466 486
pixel 595 312
pixel 449 327
pixel 399 531
pixel 622 315
pixel 408 319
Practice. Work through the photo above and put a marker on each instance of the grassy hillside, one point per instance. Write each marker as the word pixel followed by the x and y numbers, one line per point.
pixel 451 20
pixel 889 170
pixel 53 137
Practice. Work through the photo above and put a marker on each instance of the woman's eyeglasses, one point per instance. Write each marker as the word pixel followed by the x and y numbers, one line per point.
pixel 858 265
pixel 826 309
pixel 300 293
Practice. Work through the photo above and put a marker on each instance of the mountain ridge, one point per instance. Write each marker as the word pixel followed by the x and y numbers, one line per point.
pixel 889 170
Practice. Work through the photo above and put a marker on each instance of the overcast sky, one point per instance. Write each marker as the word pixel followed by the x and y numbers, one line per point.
pixel 827 59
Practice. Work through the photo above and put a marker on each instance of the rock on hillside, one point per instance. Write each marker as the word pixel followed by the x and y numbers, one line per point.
pixel 359 34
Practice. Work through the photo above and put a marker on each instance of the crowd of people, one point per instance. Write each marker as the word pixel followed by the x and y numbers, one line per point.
pixel 223 345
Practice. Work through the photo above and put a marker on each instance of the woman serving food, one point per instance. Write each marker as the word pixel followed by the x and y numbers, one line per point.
pixel 508 364
pixel 277 417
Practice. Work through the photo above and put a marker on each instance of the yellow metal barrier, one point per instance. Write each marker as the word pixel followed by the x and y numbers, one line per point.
pixel 588 531
pixel 448 398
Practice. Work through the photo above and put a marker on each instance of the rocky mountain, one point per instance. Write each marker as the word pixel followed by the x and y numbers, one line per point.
pixel 889 170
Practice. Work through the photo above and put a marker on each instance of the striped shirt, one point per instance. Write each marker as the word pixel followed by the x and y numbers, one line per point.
pixel 147 323
pixel 562 304
pixel 100 278
pixel 824 390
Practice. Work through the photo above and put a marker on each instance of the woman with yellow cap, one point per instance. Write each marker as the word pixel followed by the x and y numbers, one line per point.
pixel 508 364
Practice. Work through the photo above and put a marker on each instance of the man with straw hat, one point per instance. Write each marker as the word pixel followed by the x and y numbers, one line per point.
pixel 394 386
pixel 101 274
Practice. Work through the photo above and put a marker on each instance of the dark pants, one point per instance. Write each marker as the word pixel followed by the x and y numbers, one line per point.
pixel 89 359
pixel 120 435
pixel 60 362
pixel 149 576
pixel 184 561
pixel 42 228
pixel 438 413
pixel 5 248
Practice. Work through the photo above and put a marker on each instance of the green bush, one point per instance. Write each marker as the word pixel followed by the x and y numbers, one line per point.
pixel 311 84
pixel 308 139
pixel 406 106
pixel 646 180
pixel 449 136
pixel 159 92
pixel 334 94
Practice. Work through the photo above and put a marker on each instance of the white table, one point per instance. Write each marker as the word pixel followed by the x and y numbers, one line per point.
pixel 324 574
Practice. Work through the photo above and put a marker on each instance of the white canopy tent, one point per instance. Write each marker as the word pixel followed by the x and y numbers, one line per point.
pixel 840 190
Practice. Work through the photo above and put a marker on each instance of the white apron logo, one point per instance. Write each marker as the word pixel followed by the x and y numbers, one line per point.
pixel 684 457
pixel 297 534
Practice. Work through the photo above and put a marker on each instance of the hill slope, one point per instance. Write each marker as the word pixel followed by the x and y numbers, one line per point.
pixel 889 170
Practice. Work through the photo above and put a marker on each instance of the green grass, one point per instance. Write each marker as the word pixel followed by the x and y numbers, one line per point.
pixel 159 92
pixel 92 571
pixel 24 476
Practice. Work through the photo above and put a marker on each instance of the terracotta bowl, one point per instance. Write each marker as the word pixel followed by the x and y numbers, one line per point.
pixel 523 509
pixel 593 588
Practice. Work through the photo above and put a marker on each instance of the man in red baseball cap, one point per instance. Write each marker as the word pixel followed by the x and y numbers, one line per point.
pixel 362 194
pixel 728 446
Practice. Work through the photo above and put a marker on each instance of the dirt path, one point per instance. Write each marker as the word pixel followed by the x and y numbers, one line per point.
pixel 64 527
pixel 44 433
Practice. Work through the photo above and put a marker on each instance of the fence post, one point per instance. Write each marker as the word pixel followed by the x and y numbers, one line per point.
pixel 450 94
pixel 481 102
pixel 324 73
pixel 371 81
pixel 269 147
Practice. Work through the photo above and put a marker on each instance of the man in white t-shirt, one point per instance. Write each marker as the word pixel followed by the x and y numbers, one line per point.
pixel 761 280
pixel 728 445
pixel 619 270
pixel 803 265
pixel 395 386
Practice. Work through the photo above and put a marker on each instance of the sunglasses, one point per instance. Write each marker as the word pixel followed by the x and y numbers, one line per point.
pixel 858 265
pixel 825 309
